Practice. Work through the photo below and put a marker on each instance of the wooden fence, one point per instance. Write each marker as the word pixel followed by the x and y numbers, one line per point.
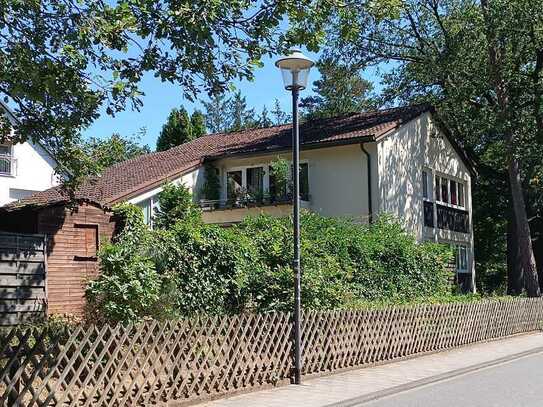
pixel 22 278
pixel 190 360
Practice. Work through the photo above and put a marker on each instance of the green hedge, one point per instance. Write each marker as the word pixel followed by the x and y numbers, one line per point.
pixel 187 267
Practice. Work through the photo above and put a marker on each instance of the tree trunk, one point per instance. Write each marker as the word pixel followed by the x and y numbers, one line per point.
pixel 524 239
pixel 515 274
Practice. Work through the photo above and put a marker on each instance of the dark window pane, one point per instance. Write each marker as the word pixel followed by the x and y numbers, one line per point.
pixel 255 180
pixel 438 189
pixel 304 182
pixel 444 190
pixel 461 195
pixel 453 193
pixel 425 184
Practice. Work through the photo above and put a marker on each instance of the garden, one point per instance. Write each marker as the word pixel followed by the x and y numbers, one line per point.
pixel 184 267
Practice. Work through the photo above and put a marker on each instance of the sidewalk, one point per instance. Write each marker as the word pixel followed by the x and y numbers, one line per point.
pixel 357 386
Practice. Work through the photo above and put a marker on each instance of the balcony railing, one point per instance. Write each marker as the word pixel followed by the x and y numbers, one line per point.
pixel 453 219
pixel 245 201
pixel 7 164
pixel 448 218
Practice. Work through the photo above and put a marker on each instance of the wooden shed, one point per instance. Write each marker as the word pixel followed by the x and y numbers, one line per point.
pixel 74 233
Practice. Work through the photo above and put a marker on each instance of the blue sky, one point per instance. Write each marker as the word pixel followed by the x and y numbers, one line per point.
pixel 161 97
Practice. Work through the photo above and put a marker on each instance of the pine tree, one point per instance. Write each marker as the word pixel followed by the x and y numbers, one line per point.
pixel 242 118
pixel 176 131
pixel 198 124
pixel 279 115
pixel 264 118
pixel 217 114
pixel 340 90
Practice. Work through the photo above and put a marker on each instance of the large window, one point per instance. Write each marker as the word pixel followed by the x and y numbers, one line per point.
pixel 255 181
pixel 449 192
pixel 6 160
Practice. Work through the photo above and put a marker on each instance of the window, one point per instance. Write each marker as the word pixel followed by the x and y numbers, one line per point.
pixel 304 181
pixel 234 184
pixel 444 190
pixel 461 202
pixel 87 238
pixel 450 192
pixel 6 160
pixel 425 185
pixel 255 181
pixel 438 188
pixel 149 206
pixel 454 200
pixel 461 258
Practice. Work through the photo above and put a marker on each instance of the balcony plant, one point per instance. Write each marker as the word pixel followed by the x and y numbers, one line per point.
pixel 280 174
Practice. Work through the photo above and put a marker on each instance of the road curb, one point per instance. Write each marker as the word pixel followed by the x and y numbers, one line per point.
pixel 356 401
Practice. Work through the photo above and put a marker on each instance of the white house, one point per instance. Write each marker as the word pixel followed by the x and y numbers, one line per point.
pixel 25 168
pixel 399 161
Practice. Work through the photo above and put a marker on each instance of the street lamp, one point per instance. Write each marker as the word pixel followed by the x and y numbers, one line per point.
pixel 295 70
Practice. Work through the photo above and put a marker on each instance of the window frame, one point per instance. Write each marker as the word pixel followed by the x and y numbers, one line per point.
pixel 459 184
pixel 10 160
pixel 461 248
pixel 266 179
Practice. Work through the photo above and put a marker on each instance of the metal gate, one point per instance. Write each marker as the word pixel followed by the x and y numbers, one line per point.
pixel 23 271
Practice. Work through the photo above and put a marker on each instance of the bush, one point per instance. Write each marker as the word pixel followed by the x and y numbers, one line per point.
pixel 344 263
pixel 188 267
pixel 175 205
pixel 129 287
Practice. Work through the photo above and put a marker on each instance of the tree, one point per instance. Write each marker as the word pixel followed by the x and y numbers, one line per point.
pixel 62 62
pixel 216 113
pixel 176 131
pixel 481 63
pixel 198 124
pixel 240 116
pixel 264 118
pixel 103 153
pixel 279 115
pixel 340 90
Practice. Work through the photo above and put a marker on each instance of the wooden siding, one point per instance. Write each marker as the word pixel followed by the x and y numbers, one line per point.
pixel 22 278
pixel 74 238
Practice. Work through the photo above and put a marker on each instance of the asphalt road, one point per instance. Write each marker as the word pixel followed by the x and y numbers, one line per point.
pixel 518 383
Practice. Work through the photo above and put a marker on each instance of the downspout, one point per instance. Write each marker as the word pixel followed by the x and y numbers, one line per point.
pixel 370 199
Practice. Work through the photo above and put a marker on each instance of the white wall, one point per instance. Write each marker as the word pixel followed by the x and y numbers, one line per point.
pixel 337 178
pixel 192 181
pixel 402 156
pixel 35 171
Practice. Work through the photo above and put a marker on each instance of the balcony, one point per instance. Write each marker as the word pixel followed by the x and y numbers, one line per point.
pixel 234 210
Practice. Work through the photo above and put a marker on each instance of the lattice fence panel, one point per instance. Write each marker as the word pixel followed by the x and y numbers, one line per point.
pixel 147 364
pixel 344 339
pixel 201 358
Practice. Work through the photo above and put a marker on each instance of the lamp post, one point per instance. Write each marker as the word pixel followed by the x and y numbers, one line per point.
pixel 295 70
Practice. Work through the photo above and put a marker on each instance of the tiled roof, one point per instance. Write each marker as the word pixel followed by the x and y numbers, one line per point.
pixel 138 174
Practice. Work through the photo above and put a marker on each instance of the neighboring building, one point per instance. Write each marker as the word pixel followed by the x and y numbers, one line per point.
pixel 399 161
pixel 25 168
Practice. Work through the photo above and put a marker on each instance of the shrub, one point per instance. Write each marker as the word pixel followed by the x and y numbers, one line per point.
pixel 129 287
pixel 175 205
pixel 189 267
pixel 344 263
